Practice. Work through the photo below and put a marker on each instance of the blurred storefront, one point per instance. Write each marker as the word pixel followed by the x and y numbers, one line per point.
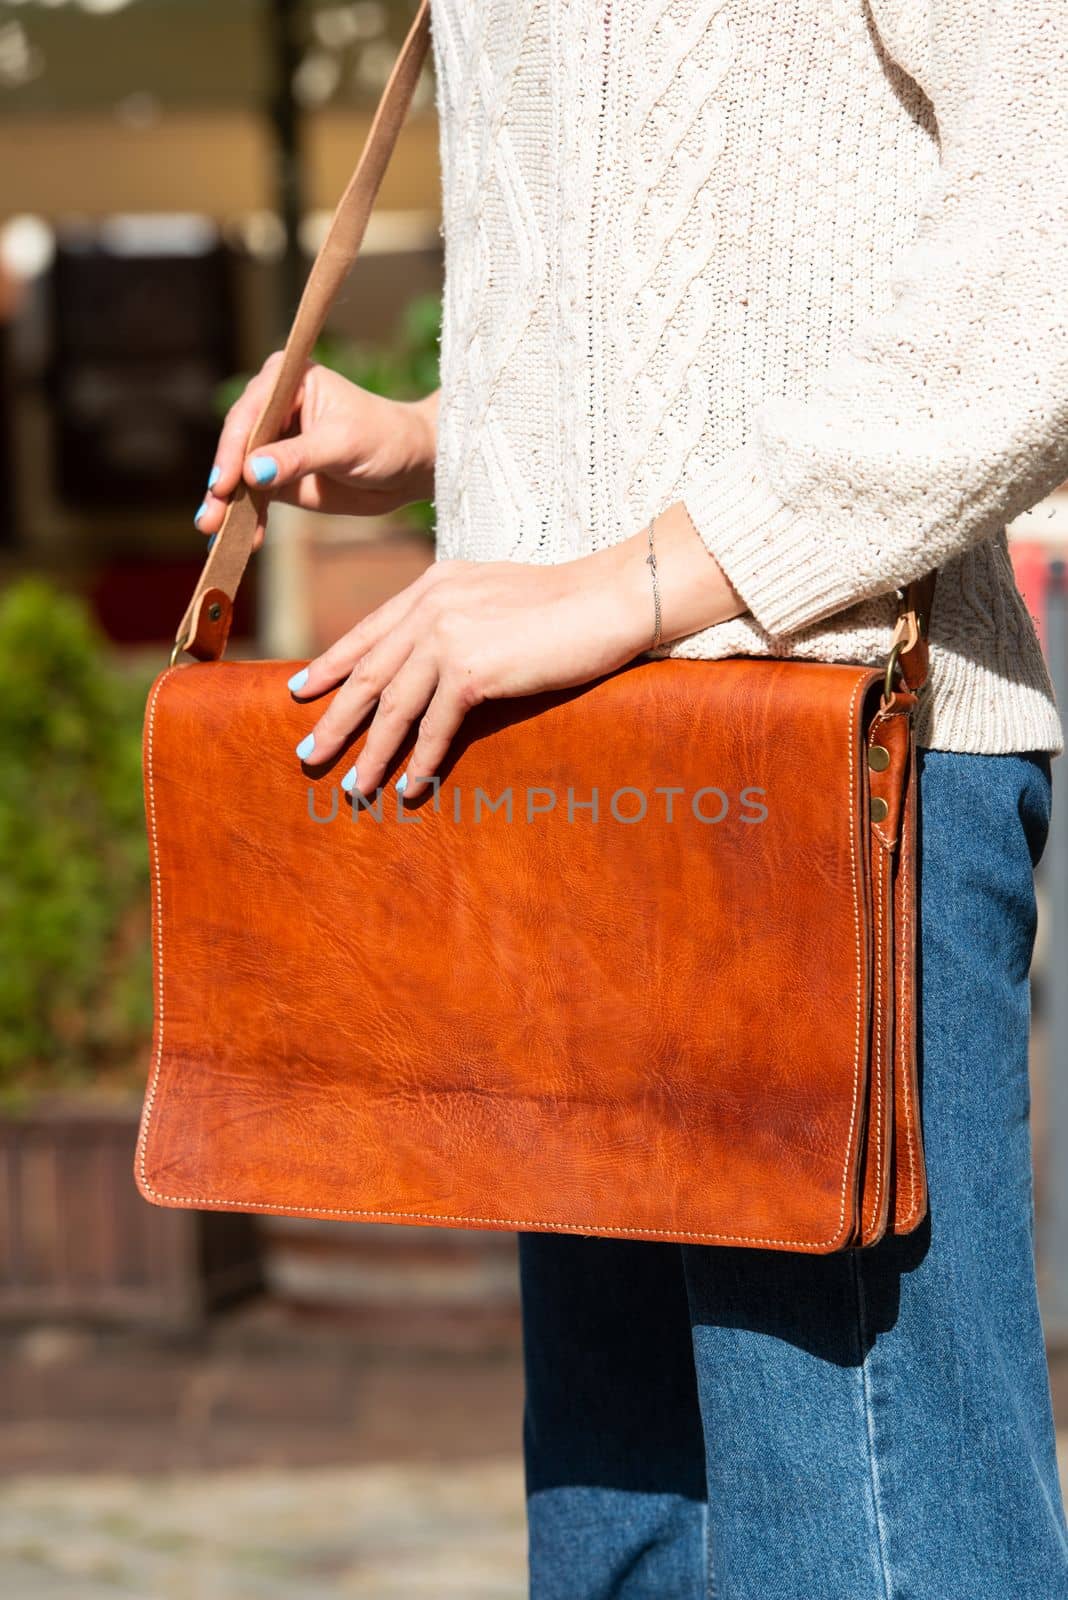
pixel 171 166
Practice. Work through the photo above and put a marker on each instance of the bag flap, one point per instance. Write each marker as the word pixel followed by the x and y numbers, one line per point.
pixel 501 1007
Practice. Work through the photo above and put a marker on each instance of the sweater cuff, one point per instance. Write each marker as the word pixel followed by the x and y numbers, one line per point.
pixel 788 574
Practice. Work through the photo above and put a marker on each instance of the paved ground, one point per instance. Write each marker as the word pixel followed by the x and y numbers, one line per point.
pixel 377 1533
pixel 265 1461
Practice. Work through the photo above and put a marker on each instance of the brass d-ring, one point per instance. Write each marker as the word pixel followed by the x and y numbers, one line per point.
pixel 891 668
pixel 179 646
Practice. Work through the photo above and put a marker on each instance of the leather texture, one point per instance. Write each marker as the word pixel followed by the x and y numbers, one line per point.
pixel 449 1014
pixel 690 1016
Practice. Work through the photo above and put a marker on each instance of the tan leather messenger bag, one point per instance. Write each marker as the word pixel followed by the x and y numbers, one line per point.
pixel 641 965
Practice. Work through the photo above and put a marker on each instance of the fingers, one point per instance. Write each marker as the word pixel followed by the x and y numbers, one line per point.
pixel 226 472
pixel 399 613
pixel 401 663
pixel 438 727
pixel 353 702
pixel 211 516
pixel 208 517
pixel 240 421
pixel 400 703
pixel 277 465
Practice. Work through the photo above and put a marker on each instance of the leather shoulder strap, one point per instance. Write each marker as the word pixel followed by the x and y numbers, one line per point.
pixel 206 624
pixel 914 628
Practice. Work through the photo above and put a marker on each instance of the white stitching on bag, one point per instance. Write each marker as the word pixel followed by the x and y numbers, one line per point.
pixel 880 1001
pixel 910 1100
pixel 213 1203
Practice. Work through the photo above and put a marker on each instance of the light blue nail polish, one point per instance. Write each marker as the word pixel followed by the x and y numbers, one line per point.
pixel 264 469
pixel 402 783
pixel 212 540
pixel 213 477
pixel 201 508
pixel 298 680
pixel 306 746
pixel 348 782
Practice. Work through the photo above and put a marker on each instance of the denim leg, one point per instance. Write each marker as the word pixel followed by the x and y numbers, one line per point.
pixel 612 1432
pixel 878 1424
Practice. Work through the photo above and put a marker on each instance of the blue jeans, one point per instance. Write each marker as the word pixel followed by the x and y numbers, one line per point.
pixel 873 1425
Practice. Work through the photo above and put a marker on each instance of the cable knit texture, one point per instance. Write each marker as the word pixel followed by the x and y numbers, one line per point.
pixel 799 263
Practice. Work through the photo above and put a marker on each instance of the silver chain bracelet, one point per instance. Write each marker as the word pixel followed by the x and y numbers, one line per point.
pixel 650 562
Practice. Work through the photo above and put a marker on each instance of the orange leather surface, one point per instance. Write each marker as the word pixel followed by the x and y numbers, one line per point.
pixel 683 1029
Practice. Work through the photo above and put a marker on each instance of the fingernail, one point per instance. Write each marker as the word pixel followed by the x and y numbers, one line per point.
pixel 201 508
pixel 298 680
pixel 264 469
pixel 306 746
pixel 402 783
pixel 348 782
pixel 213 477
pixel 212 540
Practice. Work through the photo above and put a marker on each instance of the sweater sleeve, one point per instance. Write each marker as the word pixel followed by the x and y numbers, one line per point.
pixel 948 415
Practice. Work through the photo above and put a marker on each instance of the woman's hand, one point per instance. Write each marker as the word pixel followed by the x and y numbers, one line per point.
pixel 346 450
pixel 468 631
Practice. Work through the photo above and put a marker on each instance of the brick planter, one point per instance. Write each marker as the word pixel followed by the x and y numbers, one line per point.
pixel 321 574
pixel 78 1241
pixel 441 1288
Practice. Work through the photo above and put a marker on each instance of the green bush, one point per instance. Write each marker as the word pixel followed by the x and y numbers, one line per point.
pixel 404 368
pixel 75 994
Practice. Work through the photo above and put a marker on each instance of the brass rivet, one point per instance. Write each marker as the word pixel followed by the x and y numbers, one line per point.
pixel 214 611
pixel 878 758
pixel 879 809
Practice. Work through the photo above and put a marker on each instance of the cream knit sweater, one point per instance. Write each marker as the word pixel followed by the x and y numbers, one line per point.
pixel 800 263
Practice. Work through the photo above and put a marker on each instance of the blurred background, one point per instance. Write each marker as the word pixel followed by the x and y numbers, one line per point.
pixel 209 1407
pixel 197 1407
